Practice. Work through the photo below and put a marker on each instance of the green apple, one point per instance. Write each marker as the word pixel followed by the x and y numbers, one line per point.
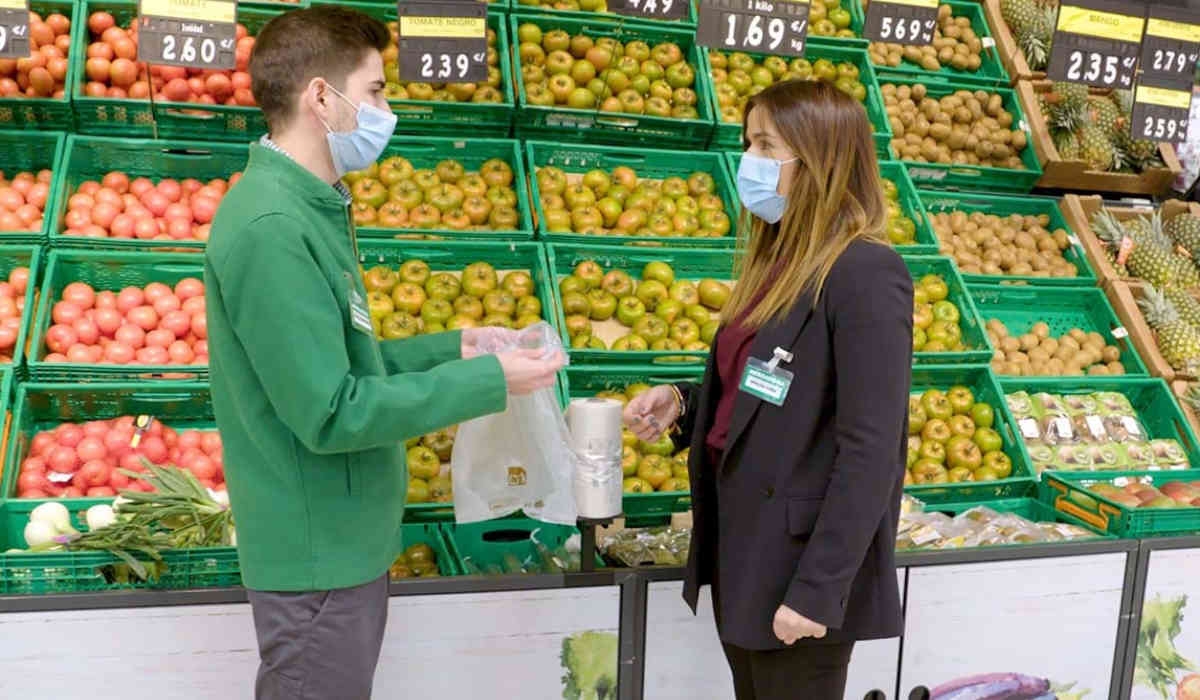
pixel 658 270
pixel 630 310
pixel 651 292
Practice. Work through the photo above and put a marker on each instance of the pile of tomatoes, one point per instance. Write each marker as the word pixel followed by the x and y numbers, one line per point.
pixel 23 201
pixel 44 72
pixel 117 207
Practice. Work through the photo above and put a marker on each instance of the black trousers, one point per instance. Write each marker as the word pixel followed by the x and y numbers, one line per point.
pixel 808 672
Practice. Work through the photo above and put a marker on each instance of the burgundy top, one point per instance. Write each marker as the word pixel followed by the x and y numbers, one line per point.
pixel 733 351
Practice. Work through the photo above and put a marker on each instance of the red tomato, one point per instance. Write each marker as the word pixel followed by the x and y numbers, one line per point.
pixel 154 449
pixel 166 304
pixel 181 353
pixel 66 312
pixel 129 298
pixel 170 189
pixel 79 353
pixel 123 226
pixel 178 323
pixel 91 448
pixel 155 201
pixel 106 300
pixel 77 201
pixel 59 337
pixel 117 181
pixel 189 440
pixel 8 339
pixel 75 219
pixel 131 336
pixel 133 462
pixel 119 353
pixel 95 472
pixel 155 291
pixel 87 331
pixel 63 460
pixel 160 338
pixel 96 428
pixel 80 294
pixel 68 434
pixel 118 480
pixel 72 492
pixel 153 355
pixel 194 305
pixel 108 320
pixel 201 347
pixel 144 317
pixel 210 442
pixel 42 442
pixel 34 493
pixel 101 492
pixel 29 481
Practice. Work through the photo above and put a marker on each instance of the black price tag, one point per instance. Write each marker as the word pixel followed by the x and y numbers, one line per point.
pixel 777 27
pixel 1097 43
pixel 650 9
pixel 1161 114
pixel 1171 46
pixel 910 22
pixel 189 33
pixel 14 29
pixel 443 41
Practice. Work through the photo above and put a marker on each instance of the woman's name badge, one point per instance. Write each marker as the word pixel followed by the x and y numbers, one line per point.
pixel 765 380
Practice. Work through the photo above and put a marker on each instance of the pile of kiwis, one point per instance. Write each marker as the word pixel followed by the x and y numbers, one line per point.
pixel 955 44
pixel 1038 354
pixel 963 128
pixel 1017 244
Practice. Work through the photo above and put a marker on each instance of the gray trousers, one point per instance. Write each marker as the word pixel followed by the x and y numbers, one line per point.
pixel 322 645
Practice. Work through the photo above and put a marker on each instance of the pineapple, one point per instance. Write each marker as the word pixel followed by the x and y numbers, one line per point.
pixel 1065 106
pixel 1018 13
pixel 1096 149
pixel 1185 304
pixel 1185 231
pixel 1034 38
pixel 1151 258
pixel 1067 144
pixel 1106 115
pixel 1178 341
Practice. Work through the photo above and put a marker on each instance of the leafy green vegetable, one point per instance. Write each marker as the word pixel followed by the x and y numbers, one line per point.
pixel 590 660
pixel 1158 661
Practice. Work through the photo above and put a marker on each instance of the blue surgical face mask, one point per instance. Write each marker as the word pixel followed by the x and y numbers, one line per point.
pixel 758 187
pixel 358 149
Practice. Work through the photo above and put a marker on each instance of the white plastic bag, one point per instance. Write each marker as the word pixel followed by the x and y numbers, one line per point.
pixel 519 459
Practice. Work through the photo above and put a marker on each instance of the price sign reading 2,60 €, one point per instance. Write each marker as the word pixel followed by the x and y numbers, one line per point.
pixel 1171 47
pixel 443 41
pixel 14 29
pixel 1097 43
pixel 190 33
pixel 777 27
pixel 909 22
pixel 1161 114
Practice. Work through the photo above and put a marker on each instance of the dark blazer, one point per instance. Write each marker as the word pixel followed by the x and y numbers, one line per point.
pixel 802 510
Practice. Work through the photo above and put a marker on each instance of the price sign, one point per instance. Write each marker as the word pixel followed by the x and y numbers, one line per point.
pixel 189 33
pixel 1171 46
pixel 777 27
pixel 14 29
pixel 1161 114
pixel 901 21
pixel 651 9
pixel 443 41
pixel 1097 42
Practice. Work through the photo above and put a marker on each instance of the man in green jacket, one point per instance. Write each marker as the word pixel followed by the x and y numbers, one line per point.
pixel 313 410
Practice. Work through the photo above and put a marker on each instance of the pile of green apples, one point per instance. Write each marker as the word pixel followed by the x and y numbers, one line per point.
pixel 648 467
pixel 658 312
pixel 429 478
pixel 618 202
pixel 952 439
pixel 488 91
pixel 739 76
pixel 579 72
pixel 936 320
pixel 901 229
pixel 414 300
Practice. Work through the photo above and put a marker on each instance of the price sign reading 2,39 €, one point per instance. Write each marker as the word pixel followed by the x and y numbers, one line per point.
pixel 14 29
pixel 777 27
pixel 190 33
pixel 1161 114
pixel 1171 47
pixel 443 41
pixel 909 22
pixel 1097 43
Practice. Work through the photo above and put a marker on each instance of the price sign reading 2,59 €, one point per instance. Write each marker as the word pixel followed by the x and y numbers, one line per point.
pixel 777 27
pixel 1097 43
pixel 190 33
pixel 442 41
pixel 910 22
pixel 1161 114
pixel 14 29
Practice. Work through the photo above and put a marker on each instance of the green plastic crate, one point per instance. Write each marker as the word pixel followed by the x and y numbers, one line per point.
pixel 13 256
pixel 687 22
pixel 91 157
pixel 111 270
pixel 979 350
pixel 689 264
pixel 84 572
pixel 485 545
pixel 883 147
pixel 1068 493
pixel 434 536
pixel 982 382
pixel 973 177
pixel 728 135
pixel 1004 205
pixel 991 70
pixel 649 163
pixel 1060 308
pixel 593 126
pixel 44 113
pixel 857 17
pixel 32 151
pixel 426 152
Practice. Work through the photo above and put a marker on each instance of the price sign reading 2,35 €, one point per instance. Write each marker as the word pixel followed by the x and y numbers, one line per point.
pixel 443 41
pixel 909 22
pixel 1171 47
pixel 1161 114
pixel 14 29
pixel 777 27
pixel 1097 43
pixel 190 33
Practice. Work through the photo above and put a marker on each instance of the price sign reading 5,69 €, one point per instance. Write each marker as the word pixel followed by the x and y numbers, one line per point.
pixel 190 33
pixel 777 27
pixel 1161 114
pixel 910 22
pixel 442 41
pixel 1097 43
pixel 1171 47
pixel 14 29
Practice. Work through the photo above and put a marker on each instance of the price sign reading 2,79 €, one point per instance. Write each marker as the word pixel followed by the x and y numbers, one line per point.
pixel 190 33
pixel 777 27
pixel 910 22
pixel 1171 47
pixel 1097 43
pixel 14 29
pixel 442 41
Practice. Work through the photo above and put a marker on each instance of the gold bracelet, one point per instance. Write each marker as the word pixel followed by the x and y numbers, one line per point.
pixel 678 399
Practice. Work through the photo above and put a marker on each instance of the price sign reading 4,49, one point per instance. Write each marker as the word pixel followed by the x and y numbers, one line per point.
pixel 1096 42
pixel 1171 47
pixel 651 9
pixel 443 41
pixel 190 33
pixel 1161 114
pixel 14 29
pixel 777 27
pixel 909 22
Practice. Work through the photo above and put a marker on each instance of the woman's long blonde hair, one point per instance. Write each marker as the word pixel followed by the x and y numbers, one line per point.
pixel 836 198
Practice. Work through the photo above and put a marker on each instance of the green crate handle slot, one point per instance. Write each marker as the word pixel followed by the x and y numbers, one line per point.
pixel 1185 435
pixel 161 397
pixel 1099 520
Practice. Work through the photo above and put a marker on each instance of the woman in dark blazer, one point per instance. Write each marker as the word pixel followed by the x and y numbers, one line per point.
pixel 797 433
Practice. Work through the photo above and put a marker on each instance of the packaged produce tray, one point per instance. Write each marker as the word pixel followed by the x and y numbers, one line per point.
pixel 985 389
pixel 1004 205
pixel 1069 492
pixel 496 547
pixel 991 71
pixel 577 159
pixel 972 177
pixel 435 536
pixel 31 151
pixel 425 152
pixel 44 113
pixel 109 270
pixel 560 123
pixel 91 158
pixel 727 136
pixel 1028 508
pixel 1062 309
pixel 979 350
pixel 13 256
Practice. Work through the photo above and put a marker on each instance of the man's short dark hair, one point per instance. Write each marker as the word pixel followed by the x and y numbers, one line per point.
pixel 324 41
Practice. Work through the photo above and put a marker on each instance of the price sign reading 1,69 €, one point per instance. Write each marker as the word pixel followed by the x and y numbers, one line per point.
pixel 1097 43
pixel 651 9
pixel 1171 46
pixel 14 29
pixel 777 27
pixel 443 41
pixel 1161 114
pixel 909 22
pixel 190 33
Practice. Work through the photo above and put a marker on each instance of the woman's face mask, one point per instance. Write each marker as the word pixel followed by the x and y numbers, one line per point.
pixel 358 149
pixel 758 186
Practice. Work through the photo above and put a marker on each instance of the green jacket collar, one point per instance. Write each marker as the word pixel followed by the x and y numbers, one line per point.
pixel 295 177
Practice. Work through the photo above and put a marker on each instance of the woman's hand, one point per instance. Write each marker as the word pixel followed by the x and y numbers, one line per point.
pixel 652 412
pixel 790 626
